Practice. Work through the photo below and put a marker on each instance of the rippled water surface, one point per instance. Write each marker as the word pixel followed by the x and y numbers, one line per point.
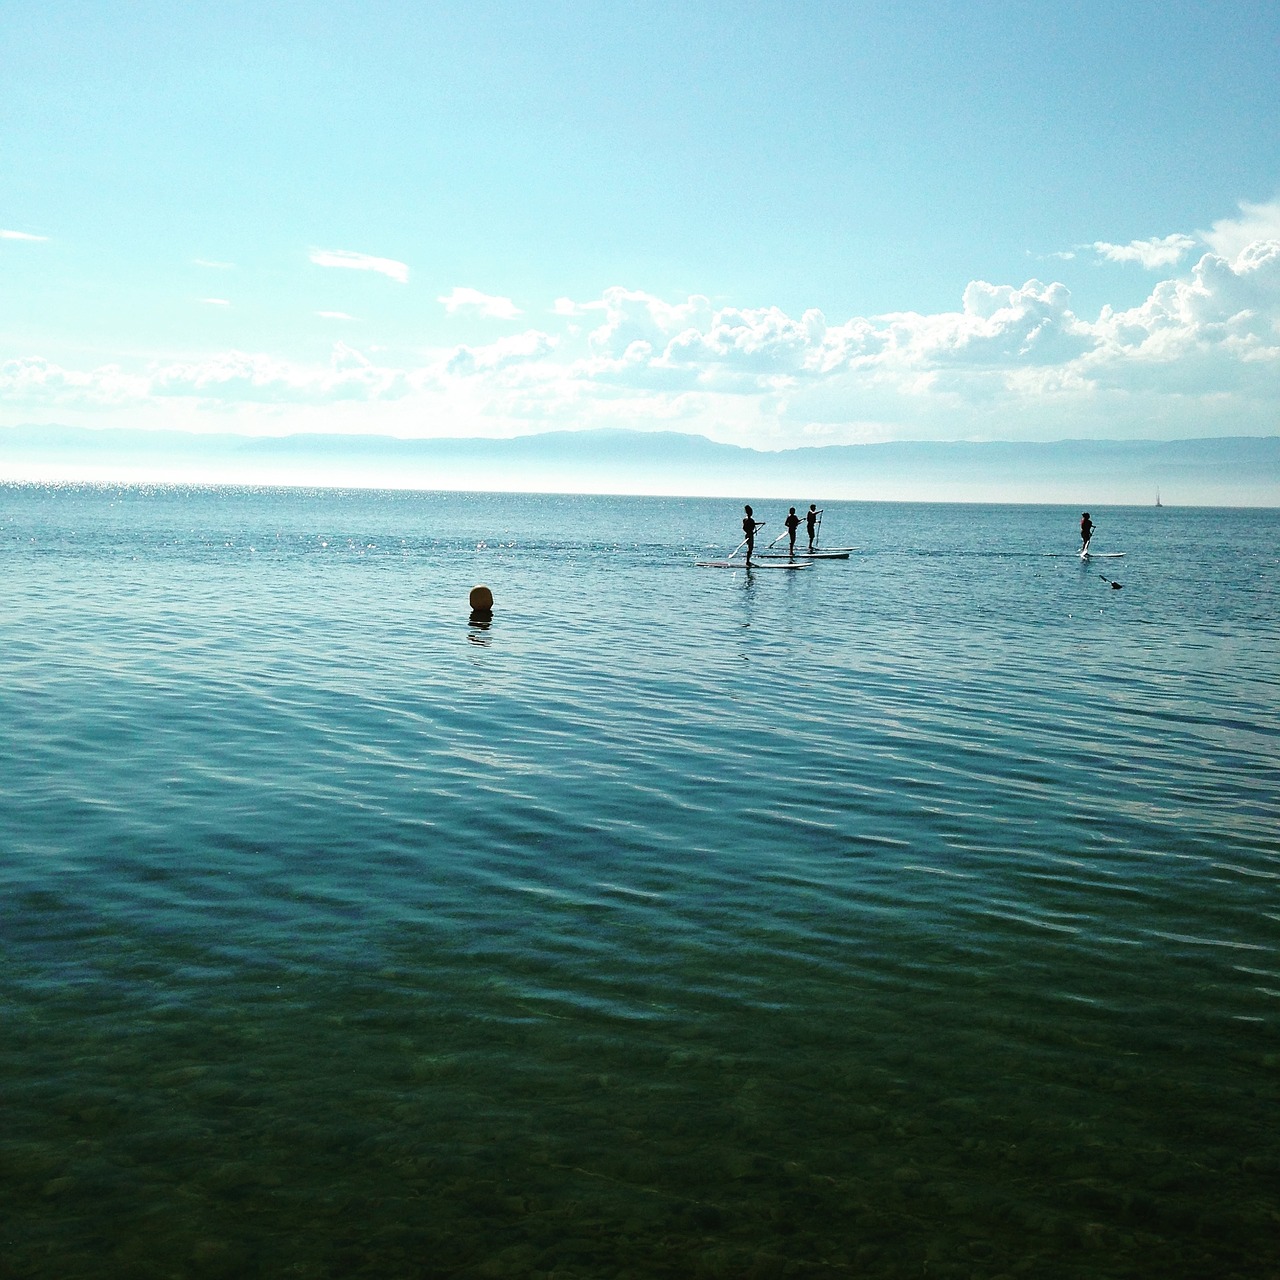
pixel 910 915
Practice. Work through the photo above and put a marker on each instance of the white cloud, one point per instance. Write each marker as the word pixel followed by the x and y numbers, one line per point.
pixel 1218 330
pixel 226 379
pixel 1201 352
pixel 520 348
pixel 1230 236
pixel 1000 325
pixel 568 307
pixel 20 235
pixel 32 380
pixel 484 304
pixel 214 266
pixel 237 376
pixel 765 339
pixel 1157 252
pixel 334 315
pixel 360 262
pixel 216 302
pixel 632 316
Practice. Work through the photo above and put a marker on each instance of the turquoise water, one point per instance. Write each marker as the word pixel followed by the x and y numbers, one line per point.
pixel 915 915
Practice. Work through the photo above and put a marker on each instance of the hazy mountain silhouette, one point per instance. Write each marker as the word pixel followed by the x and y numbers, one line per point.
pixel 1240 470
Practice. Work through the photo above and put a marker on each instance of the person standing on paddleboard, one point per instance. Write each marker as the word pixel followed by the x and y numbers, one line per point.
pixel 1086 532
pixel 749 526
pixel 811 524
pixel 793 523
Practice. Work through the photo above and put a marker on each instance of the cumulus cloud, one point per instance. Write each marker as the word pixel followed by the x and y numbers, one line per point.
pixel 568 308
pixel 1231 236
pixel 1157 252
pixel 484 304
pixel 999 325
pixel 1008 350
pixel 1218 293
pixel 229 378
pixel 647 342
pixel 1216 330
pixel 237 376
pixel 745 349
pixel 1009 358
pixel 20 235
pixel 632 316
pixel 521 348
pixel 32 380
pixel 360 262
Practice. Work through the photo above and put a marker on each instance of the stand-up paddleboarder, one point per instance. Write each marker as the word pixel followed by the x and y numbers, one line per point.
pixel 812 516
pixel 793 523
pixel 1086 533
pixel 749 526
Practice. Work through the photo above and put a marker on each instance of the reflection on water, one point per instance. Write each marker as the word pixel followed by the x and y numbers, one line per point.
pixel 936 938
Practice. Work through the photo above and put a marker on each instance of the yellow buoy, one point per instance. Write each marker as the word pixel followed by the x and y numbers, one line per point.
pixel 481 600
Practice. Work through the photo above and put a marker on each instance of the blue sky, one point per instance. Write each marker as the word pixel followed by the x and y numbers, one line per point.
pixel 771 225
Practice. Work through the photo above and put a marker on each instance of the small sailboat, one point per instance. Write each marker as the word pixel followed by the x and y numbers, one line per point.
pixel 1158 502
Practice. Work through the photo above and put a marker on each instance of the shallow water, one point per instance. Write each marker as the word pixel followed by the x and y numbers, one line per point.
pixel 910 915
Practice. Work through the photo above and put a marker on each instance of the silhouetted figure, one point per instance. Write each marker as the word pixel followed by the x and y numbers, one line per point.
pixel 811 523
pixel 1086 531
pixel 749 526
pixel 793 523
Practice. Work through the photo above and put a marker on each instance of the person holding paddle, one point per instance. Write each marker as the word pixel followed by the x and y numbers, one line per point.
pixel 793 523
pixel 749 526
pixel 811 523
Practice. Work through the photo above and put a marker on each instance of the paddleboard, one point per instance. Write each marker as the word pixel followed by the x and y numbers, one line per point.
pixel 1083 555
pixel 755 564
pixel 803 555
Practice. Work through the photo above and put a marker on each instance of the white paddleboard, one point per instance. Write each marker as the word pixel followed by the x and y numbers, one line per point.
pixel 1083 555
pixel 803 555
pixel 755 564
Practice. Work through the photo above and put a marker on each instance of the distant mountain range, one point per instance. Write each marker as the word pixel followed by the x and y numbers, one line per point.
pixel 1231 471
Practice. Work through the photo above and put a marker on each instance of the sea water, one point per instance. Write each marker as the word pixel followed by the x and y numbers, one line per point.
pixel 910 915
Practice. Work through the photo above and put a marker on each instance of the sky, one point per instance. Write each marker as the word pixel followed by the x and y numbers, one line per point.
pixel 770 225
